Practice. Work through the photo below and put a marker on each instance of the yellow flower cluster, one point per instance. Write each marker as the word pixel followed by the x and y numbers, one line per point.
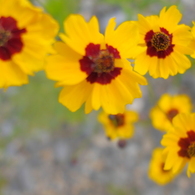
pixel 96 70
pixel 96 67
pixel 173 115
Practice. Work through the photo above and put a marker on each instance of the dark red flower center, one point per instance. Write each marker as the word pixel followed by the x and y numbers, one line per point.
pixel 187 145
pixel 10 37
pixel 171 114
pixel 99 63
pixel 117 120
pixel 159 43
pixel 104 62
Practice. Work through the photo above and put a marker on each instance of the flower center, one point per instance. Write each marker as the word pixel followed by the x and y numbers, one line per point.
pixel 117 120
pixel 171 114
pixel 191 149
pixel 160 41
pixel 10 38
pixel 99 64
pixel 104 62
pixel 187 145
pixel 4 36
pixel 159 44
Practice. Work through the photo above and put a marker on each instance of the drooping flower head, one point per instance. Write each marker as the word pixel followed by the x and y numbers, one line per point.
pixel 163 44
pixel 93 68
pixel 119 126
pixel 167 108
pixel 180 144
pixel 26 34
pixel 156 170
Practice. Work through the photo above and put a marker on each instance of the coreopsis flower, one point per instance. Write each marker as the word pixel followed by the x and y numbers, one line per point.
pixel 119 126
pixel 164 44
pixel 156 170
pixel 26 34
pixel 167 108
pixel 179 144
pixel 93 68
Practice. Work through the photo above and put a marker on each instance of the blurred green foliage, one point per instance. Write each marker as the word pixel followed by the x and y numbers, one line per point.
pixel 115 190
pixel 131 7
pixel 36 104
pixel 60 9
pixel 34 107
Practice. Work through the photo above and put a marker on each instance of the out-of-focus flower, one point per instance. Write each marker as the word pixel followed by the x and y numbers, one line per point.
pixel 156 170
pixel 163 44
pixel 119 126
pixel 26 35
pixel 179 144
pixel 167 108
pixel 93 68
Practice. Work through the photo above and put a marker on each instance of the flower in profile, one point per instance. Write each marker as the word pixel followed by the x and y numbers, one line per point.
pixel 156 170
pixel 26 34
pixel 164 44
pixel 179 144
pixel 119 126
pixel 93 68
pixel 167 108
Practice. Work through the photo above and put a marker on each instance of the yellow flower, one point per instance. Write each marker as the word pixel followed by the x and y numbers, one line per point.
pixel 163 44
pixel 156 170
pixel 167 108
pixel 93 68
pixel 180 144
pixel 120 125
pixel 26 34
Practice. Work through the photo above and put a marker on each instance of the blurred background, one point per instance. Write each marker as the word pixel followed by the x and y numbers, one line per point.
pixel 46 150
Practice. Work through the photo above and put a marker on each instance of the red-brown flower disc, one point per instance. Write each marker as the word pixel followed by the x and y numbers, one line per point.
pixel 10 37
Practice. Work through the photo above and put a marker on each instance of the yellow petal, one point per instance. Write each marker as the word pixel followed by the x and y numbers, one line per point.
pixel 109 99
pixel 11 75
pixel 74 96
pixel 144 26
pixel 191 168
pixel 79 33
pixel 110 29
pixel 124 38
pixel 182 35
pixel 128 88
pixel 95 99
pixel 143 62
pixel 64 67
pixel 182 62
pixel 170 18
